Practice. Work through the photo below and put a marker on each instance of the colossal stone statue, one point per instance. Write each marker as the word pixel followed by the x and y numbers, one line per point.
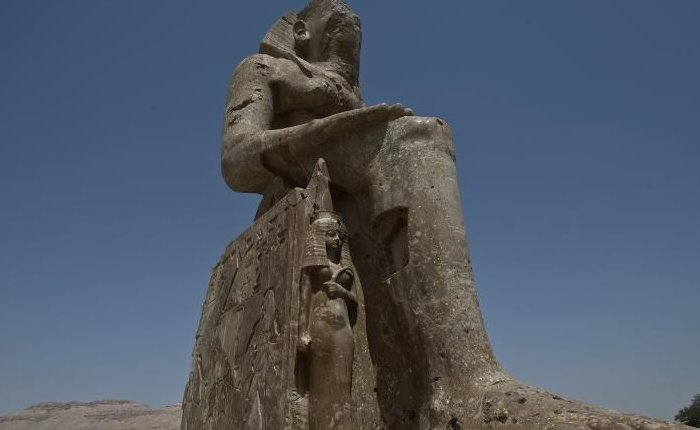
pixel 418 357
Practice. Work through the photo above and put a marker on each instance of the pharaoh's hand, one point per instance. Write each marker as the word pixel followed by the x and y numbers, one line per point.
pixel 384 112
pixel 337 125
pixel 304 342
pixel 370 116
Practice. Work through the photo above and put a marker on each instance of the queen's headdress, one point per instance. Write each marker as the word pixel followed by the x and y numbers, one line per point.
pixel 323 219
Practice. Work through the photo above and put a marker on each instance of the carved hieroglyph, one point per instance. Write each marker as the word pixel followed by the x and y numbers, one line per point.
pixel 242 357
pixel 422 360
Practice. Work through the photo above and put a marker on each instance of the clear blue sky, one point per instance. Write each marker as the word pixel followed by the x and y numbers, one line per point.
pixel 577 127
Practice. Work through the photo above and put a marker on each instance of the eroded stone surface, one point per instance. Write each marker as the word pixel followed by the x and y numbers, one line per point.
pixel 241 362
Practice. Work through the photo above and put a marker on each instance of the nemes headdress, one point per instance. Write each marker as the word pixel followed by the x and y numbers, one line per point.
pixel 279 40
pixel 324 8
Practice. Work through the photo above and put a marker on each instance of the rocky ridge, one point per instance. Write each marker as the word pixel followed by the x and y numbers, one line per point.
pixel 97 415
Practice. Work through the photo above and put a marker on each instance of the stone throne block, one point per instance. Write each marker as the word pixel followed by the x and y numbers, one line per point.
pixel 243 361
pixel 246 371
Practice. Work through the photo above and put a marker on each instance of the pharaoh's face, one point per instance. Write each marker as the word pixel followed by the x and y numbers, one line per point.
pixel 329 38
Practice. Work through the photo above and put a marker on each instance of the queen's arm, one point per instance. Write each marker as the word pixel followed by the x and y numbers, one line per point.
pixel 304 305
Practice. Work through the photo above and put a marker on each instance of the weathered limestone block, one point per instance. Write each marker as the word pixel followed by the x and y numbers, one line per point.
pixel 242 365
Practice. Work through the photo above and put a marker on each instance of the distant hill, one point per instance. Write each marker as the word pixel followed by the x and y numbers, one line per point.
pixel 98 415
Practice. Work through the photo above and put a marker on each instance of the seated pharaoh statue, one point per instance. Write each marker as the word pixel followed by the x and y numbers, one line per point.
pixel 393 182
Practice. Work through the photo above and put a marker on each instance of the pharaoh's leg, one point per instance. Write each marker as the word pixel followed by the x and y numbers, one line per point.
pixel 435 366
pixel 413 207
pixel 330 373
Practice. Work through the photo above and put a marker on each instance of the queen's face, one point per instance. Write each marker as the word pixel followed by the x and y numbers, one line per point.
pixel 334 241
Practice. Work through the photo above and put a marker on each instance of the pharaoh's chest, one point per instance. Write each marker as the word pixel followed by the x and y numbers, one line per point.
pixel 321 94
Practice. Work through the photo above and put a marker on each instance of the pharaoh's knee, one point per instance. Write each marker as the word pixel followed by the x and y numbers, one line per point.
pixel 416 138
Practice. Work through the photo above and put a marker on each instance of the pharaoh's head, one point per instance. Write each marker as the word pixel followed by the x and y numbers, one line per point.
pixel 325 31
